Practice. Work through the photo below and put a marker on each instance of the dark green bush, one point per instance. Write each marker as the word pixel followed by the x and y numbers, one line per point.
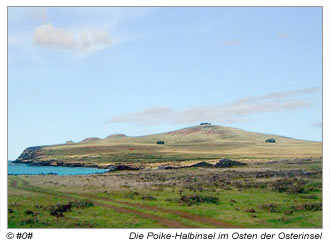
pixel 271 207
pixel 197 199
pixel 289 185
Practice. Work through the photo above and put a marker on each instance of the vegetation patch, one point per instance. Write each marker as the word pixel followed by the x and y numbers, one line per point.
pixel 132 195
pixel 307 207
pixel 313 197
pixel 148 197
pixel 29 221
pixel 289 185
pixel 271 207
pixel 250 210
pixel 197 199
pixel 59 209
pixel 29 212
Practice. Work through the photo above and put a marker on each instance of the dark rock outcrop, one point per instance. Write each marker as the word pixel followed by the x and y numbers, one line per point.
pixel 223 163
pixel 202 164
pixel 122 168
pixel 29 155
pixel 228 163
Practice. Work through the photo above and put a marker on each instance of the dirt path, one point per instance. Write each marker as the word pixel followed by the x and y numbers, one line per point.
pixel 162 221
pixel 167 222
pixel 186 215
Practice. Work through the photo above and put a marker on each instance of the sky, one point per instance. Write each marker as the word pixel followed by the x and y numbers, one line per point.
pixel 82 72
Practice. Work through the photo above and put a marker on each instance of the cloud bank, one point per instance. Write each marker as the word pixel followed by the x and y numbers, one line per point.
pixel 230 113
pixel 46 35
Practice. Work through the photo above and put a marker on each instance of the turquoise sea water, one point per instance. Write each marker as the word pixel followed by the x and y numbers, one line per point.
pixel 23 169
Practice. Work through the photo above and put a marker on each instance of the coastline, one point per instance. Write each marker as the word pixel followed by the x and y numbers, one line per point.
pixel 27 168
pixel 62 164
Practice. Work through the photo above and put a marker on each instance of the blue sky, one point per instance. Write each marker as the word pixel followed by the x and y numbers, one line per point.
pixel 91 72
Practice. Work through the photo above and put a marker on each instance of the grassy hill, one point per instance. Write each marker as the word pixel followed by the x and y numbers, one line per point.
pixel 182 147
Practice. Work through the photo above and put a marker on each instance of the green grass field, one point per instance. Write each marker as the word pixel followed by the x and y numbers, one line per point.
pixel 257 196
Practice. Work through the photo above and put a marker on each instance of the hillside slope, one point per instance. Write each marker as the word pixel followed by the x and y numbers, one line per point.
pixel 184 146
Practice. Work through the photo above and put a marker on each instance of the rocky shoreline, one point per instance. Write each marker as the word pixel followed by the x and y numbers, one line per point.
pixel 224 163
pixel 57 163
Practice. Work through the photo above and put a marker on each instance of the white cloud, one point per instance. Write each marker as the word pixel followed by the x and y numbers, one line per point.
pixel 47 35
pixel 88 30
pixel 85 41
pixel 234 112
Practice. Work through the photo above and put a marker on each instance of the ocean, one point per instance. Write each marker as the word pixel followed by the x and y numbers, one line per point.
pixel 24 169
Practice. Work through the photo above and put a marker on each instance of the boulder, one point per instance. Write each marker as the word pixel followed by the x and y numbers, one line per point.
pixel 202 164
pixel 228 163
pixel 122 168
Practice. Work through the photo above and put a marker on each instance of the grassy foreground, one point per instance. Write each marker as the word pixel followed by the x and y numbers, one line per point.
pixel 278 194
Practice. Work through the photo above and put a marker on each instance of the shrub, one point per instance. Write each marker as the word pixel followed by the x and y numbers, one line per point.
pixel 284 219
pixel 29 221
pixel 271 207
pixel 314 197
pixel 251 210
pixel 289 186
pixel 81 204
pixel 131 195
pixel 28 212
pixel 148 197
pixel 197 199
pixel 307 207
pixel 289 212
pixel 59 209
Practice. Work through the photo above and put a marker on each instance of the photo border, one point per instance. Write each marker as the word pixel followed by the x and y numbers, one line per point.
pixel 325 182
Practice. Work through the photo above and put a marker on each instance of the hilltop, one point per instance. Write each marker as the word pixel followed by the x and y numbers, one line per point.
pixel 181 147
pixel 90 139
pixel 112 136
